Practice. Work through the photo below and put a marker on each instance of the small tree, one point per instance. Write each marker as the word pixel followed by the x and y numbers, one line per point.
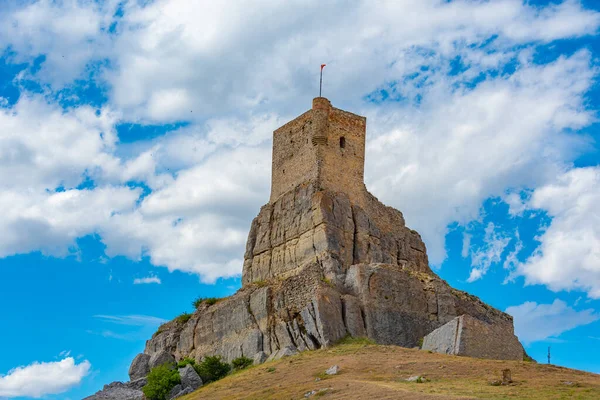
pixel 161 380
pixel 212 369
pixel 241 362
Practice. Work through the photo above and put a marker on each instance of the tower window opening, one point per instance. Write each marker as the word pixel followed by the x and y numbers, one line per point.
pixel 342 142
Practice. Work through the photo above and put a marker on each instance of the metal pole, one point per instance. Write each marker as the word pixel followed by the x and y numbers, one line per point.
pixel 321 79
pixel 548 354
pixel 321 82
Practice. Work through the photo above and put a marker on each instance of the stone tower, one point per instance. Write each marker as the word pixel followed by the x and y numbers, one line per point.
pixel 325 145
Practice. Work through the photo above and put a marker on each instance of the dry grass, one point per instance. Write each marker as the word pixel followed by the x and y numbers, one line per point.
pixel 379 372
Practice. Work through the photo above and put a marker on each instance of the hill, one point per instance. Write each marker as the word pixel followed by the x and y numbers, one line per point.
pixel 379 372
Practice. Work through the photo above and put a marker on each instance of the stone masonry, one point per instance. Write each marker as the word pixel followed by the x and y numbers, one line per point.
pixel 468 336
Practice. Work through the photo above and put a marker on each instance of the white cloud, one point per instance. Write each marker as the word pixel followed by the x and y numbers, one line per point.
pixel 568 257
pixel 43 378
pixel 535 322
pixel 68 33
pixel 147 280
pixel 490 253
pixel 135 320
pixel 233 71
pixel 439 161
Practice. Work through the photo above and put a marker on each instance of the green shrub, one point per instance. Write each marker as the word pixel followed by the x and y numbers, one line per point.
pixel 183 318
pixel 161 380
pixel 355 340
pixel 185 361
pixel 241 362
pixel 420 343
pixel 207 300
pixel 212 369
pixel 160 330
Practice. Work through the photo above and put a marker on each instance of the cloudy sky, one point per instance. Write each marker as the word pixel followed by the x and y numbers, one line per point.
pixel 135 149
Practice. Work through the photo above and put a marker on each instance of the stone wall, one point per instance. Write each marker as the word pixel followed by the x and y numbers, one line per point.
pixel 309 149
pixel 473 337
pixel 342 168
pixel 294 156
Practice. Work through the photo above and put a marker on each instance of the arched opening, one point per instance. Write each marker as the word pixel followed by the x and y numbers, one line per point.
pixel 342 142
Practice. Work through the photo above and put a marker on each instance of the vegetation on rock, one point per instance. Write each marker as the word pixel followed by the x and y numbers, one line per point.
pixel 161 380
pixel 212 369
pixel 241 362
pixel 183 318
pixel 206 300
pixel 185 361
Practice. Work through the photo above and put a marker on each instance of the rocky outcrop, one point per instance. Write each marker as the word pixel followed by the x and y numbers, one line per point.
pixel 468 336
pixel 318 268
pixel 121 391
pixel 306 225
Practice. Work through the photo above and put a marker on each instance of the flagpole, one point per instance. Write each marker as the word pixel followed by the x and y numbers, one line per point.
pixel 321 82
pixel 321 79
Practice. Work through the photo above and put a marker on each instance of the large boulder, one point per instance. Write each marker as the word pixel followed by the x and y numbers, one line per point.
pixel 189 377
pixel 140 366
pixel 160 358
pixel 468 336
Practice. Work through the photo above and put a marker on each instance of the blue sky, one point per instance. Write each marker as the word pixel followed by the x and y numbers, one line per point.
pixel 135 145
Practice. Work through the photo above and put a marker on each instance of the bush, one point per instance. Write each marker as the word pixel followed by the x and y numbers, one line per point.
pixel 207 300
pixel 161 380
pixel 185 361
pixel 241 362
pixel 212 369
pixel 183 318
pixel 355 340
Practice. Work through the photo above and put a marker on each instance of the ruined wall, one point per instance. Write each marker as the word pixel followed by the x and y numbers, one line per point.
pixel 473 337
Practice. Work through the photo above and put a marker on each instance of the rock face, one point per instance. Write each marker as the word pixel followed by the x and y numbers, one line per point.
pixel 119 391
pixel 140 367
pixel 319 268
pixel 467 336
pixel 325 259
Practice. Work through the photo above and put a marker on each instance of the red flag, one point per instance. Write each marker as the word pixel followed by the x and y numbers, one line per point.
pixel 322 66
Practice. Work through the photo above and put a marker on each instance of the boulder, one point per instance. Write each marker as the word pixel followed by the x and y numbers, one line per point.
pixel 160 358
pixel 260 358
pixel 189 377
pixel 140 366
pixel 174 392
pixel 183 392
pixel 137 384
pixel 333 370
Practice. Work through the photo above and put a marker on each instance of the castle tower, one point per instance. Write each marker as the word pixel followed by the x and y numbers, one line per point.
pixel 325 146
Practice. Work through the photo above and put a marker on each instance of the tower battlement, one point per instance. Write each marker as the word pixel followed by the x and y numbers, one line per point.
pixel 325 146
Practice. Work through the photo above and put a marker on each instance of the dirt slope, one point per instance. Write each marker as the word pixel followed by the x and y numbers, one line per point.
pixel 379 372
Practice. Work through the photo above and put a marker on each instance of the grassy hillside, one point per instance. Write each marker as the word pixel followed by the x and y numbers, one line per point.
pixel 380 372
